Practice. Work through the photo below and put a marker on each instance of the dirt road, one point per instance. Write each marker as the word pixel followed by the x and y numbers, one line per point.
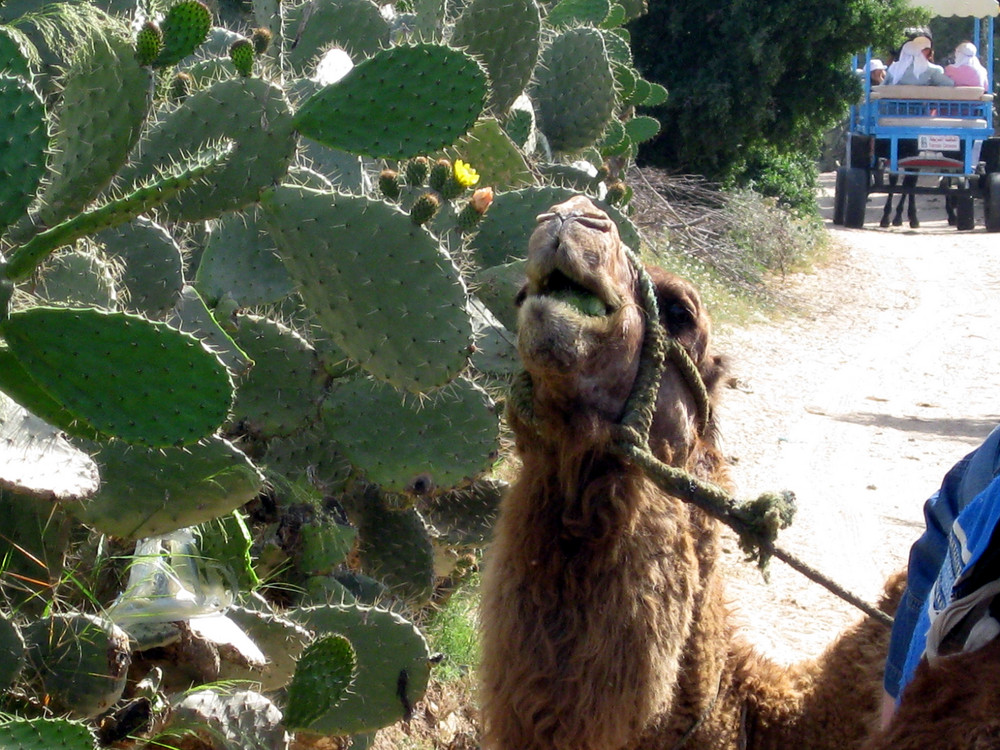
pixel 859 403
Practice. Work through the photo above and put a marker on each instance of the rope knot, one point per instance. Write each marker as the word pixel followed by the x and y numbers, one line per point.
pixel 761 520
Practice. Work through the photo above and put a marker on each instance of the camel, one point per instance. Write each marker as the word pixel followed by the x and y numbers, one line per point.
pixel 952 704
pixel 604 622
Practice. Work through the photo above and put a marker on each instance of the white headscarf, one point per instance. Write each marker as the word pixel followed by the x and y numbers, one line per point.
pixel 965 54
pixel 910 56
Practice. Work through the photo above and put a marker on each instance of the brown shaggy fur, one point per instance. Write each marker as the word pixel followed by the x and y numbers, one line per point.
pixel 604 624
pixel 952 705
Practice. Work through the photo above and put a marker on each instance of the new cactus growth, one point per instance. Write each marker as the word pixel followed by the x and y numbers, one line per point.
pixel 323 675
pixel 148 43
pixel 185 26
pixel 242 54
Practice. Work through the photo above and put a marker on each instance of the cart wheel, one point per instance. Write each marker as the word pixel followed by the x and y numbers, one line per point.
pixel 855 197
pixel 839 196
pixel 965 217
pixel 991 202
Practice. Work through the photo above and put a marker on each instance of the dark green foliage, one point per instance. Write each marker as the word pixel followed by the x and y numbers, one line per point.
pixel 789 177
pixel 746 74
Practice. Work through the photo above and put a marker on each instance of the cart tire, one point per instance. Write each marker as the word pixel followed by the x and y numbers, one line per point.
pixel 991 202
pixel 839 196
pixel 965 216
pixel 990 155
pixel 855 197
pixel 861 151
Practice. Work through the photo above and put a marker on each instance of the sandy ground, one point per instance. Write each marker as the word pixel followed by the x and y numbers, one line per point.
pixel 859 403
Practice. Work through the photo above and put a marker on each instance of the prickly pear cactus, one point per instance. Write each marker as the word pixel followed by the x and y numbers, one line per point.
pixel 79 661
pixel 70 351
pixel 392 667
pixel 380 107
pixel 22 164
pixel 404 319
pixel 323 675
pixel 45 734
pixel 11 652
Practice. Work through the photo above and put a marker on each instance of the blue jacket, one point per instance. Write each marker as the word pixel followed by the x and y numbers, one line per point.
pixel 939 558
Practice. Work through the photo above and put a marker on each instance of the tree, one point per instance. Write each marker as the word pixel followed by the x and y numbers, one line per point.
pixel 754 74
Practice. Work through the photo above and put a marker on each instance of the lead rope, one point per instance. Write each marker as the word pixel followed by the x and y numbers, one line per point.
pixel 756 522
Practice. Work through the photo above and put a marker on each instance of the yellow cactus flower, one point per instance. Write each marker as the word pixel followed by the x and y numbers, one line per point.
pixel 465 175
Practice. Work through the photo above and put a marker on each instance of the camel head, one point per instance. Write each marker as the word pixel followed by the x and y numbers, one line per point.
pixel 581 326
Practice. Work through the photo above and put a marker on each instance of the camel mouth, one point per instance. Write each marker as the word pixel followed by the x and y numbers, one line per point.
pixel 563 289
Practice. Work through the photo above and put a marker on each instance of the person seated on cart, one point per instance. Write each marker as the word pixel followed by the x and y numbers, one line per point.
pixel 967 70
pixel 914 66
pixel 875 69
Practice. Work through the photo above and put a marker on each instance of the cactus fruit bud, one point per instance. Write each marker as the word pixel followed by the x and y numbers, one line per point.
pixel 241 52
pixel 473 211
pixel 424 208
pixel 148 43
pixel 417 169
pixel 261 39
pixel 388 183
pixel 616 192
pixel 603 172
pixel 440 175
pixel 180 87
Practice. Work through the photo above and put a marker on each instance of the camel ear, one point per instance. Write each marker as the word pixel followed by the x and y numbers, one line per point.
pixel 713 369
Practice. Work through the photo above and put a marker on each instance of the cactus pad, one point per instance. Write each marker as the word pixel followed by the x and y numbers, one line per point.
pixel 395 546
pixel 104 105
pixel 497 287
pixel 77 278
pixel 402 102
pixel 278 638
pixel 239 719
pixel 356 26
pixel 45 734
pixel 148 43
pixel 578 13
pixel 185 26
pixel 79 661
pixel 465 517
pixel 280 394
pixel 152 268
pixel 240 261
pixel 22 157
pixel 248 111
pixel 323 675
pixel 191 315
pixel 400 445
pixel 505 36
pixel 147 492
pixel 574 90
pixel 392 670
pixel 382 287
pixel 126 376
pixel 17 53
pixel 11 653
pixel 499 162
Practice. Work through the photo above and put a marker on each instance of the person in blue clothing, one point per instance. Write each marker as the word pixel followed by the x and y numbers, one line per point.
pixel 952 577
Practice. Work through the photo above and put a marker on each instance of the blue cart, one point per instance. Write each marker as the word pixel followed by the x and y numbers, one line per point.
pixel 934 131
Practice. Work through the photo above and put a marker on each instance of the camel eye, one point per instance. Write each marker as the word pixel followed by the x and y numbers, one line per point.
pixel 678 318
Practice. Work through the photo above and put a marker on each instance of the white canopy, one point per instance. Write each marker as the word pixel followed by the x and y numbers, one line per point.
pixel 977 8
